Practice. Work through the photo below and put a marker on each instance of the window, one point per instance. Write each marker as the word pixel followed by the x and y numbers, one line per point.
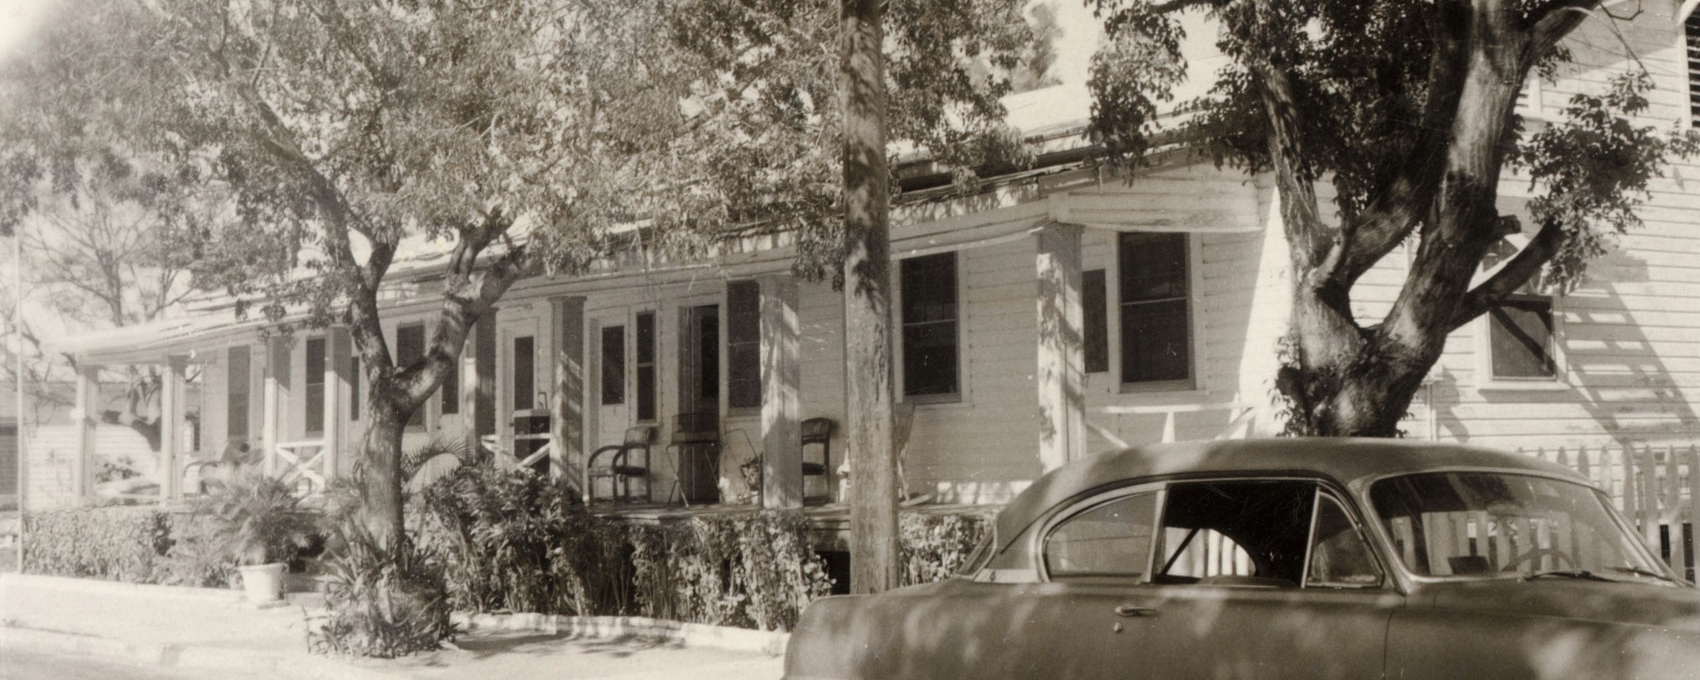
pixel 613 365
pixel 1095 320
pixel 646 384
pixel 1520 330
pixel 410 348
pixel 743 344
pixel 929 319
pixel 1339 558
pixel 451 386
pixel 1155 310
pixel 1236 533
pixel 1693 30
pixel 315 384
pixel 525 373
pixel 237 393
pixel 1111 539
pixel 354 388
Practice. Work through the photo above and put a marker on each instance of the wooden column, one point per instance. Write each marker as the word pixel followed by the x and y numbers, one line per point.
pixel 276 399
pixel 87 415
pixel 781 390
pixel 171 430
pixel 478 381
pixel 1061 367
pixel 566 424
pixel 337 351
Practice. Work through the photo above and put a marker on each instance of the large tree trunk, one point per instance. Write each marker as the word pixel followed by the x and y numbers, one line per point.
pixel 380 464
pixel 867 302
pixel 1343 379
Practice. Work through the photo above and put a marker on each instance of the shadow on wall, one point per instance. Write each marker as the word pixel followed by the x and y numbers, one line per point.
pixel 1617 373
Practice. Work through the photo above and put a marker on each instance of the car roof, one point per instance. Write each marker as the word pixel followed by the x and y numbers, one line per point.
pixel 1345 460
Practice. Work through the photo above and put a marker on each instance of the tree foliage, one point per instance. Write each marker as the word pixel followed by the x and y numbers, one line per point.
pixel 1407 111
pixel 766 110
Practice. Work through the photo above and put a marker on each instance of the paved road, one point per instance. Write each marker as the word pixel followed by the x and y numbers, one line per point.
pixel 23 664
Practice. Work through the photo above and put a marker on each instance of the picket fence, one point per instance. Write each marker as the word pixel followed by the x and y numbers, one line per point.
pixel 1656 487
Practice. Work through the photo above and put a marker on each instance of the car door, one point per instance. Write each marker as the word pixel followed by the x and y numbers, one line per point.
pixel 1094 560
pixel 1263 579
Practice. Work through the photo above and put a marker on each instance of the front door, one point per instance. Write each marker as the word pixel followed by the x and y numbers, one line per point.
pixel 523 390
pixel 610 385
pixel 696 430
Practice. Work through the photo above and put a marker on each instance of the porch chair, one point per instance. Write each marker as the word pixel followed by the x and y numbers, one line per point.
pixel 694 452
pixel 818 431
pixel 618 467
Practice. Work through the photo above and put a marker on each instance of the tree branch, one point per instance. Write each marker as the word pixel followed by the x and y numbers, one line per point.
pixel 1512 274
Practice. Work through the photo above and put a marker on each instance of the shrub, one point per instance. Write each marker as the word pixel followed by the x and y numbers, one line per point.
pixel 932 547
pixel 255 519
pixel 114 543
pixel 196 557
pixel 751 570
pixel 496 534
pixel 382 603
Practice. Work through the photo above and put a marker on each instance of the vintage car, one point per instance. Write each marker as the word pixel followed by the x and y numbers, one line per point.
pixel 1289 558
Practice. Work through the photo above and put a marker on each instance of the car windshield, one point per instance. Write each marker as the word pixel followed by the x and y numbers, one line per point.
pixel 1490 524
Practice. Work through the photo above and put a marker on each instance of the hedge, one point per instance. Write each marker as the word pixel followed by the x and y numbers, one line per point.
pixel 124 543
pixel 512 541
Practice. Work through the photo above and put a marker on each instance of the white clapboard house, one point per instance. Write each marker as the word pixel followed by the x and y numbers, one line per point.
pixel 1060 311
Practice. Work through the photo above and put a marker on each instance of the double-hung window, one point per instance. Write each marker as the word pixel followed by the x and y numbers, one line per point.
pixel 930 327
pixel 1156 311
pixel 743 344
pixel 237 390
pixel 1521 344
pixel 315 384
pixel 410 348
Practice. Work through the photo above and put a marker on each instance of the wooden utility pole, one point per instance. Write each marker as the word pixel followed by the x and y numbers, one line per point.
pixel 867 301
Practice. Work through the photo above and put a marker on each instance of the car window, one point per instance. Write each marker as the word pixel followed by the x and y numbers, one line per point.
pixel 1239 533
pixel 1486 524
pixel 1339 558
pixel 1110 539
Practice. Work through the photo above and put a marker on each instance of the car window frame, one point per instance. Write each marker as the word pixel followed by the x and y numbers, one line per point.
pixel 1352 515
pixel 1348 496
pixel 1408 579
pixel 1069 511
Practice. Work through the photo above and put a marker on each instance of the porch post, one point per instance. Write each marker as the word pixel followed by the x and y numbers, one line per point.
pixel 276 396
pixel 171 430
pixel 566 426
pixel 781 404
pixel 1061 368
pixel 87 414
pixel 478 384
pixel 337 349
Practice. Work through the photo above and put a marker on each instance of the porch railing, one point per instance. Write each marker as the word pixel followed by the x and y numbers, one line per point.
pixel 301 463
pixel 1656 487
pixel 1241 422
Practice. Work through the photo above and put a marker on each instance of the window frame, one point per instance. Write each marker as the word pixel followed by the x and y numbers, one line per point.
pixel 313 384
pixel 1093 501
pixel 422 416
pixel 1114 326
pixel 607 379
pixel 1364 537
pixel 638 366
pixel 730 324
pixel 1486 380
pixel 247 407
pixel 899 354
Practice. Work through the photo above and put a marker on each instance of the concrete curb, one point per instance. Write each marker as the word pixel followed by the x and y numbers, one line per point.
pixel 771 643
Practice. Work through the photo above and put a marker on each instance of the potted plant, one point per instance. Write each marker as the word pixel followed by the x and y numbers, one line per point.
pixel 259 524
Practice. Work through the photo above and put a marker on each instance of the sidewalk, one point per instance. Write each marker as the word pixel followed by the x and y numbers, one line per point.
pixel 212 629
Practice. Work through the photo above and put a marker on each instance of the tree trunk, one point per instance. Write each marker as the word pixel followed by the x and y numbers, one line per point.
pixel 380 466
pixel 867 302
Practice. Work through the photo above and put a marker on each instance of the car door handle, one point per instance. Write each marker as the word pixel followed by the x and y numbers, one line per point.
pixel 1135 610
